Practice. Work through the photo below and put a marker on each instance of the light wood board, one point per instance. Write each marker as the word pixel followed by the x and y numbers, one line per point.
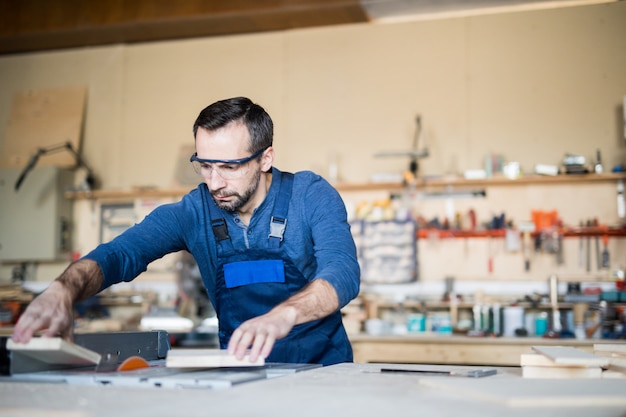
pixel 54 350
pixel 617 348
pixel 207 358
pixel 561 372
pixel 565 355
pixel 41 119
pixel 536 359
pixel 521 392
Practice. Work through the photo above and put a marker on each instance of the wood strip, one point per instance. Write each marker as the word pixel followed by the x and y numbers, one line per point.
pixel 618 348
pixel 207 358
pixel 560 372
pixel 535 359
pixel 54 350
pixel 565 355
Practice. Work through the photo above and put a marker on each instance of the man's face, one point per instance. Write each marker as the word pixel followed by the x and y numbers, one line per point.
pixel 228 143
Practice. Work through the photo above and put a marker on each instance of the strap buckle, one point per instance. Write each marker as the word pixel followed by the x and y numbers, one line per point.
pixel 220 229
pixel 277 228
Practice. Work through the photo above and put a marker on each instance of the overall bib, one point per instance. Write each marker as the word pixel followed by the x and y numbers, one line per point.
pixel 250 282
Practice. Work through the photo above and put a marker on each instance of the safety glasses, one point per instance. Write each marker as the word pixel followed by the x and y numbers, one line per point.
pixel 228 169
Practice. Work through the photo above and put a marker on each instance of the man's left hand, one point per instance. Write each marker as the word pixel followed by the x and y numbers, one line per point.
pixel 260 333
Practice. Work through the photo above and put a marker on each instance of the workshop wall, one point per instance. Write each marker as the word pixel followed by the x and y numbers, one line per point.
pixel 530 86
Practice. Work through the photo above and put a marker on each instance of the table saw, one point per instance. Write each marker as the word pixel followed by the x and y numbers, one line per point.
pixel 117 348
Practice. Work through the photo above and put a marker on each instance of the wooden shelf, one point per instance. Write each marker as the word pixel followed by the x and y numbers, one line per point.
pixel 422 183
pixel 113 194
pixel 500 233
pixel 500 181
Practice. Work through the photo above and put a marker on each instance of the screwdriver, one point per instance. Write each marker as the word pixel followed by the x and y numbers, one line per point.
pixel 605 251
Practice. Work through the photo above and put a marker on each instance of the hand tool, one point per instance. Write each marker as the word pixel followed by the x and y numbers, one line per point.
pixel 559 250
pixel 526 228
pixel 597 239
pixel 554 302
pixel 621 203
pixel 474 373
pixel 581 250
pixel 588 246
pixel 606 262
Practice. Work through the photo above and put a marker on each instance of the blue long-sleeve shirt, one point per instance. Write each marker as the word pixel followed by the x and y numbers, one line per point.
pixel 317 237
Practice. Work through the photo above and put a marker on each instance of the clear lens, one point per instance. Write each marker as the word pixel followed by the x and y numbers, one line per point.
pixel 226 171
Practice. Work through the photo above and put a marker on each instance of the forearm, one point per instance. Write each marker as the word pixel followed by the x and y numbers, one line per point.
pixel 82 279
pixel 315 301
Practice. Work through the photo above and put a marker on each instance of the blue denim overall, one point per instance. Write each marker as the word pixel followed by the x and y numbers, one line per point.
pixel 250 282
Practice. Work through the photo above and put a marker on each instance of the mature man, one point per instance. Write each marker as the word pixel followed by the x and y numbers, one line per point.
pixel 274 248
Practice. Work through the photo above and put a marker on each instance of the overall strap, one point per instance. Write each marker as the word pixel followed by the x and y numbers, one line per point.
pixel 218 224
pixel 278 222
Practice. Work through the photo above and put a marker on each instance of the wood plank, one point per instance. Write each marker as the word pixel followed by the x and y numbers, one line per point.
pixel 207 358
pixel 617 348
pixel 617 364
pixel 612 373
pixel 56 351
pixel 536 359
pixel 561 372
pixel 565 355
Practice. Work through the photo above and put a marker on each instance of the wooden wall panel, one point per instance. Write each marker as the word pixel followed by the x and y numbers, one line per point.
pixel 43 119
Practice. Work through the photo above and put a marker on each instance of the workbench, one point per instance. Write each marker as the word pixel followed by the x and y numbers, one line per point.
pixel 452 349
pixel 346 389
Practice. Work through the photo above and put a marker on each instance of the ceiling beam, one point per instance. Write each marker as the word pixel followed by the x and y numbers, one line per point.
pixel 36 25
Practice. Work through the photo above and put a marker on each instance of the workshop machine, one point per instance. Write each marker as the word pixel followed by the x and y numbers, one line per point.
pixel 116 350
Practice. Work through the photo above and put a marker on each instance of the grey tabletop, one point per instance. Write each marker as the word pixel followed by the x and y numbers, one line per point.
pixel 350 389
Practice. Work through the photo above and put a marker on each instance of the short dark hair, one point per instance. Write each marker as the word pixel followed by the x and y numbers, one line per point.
pixel 223 112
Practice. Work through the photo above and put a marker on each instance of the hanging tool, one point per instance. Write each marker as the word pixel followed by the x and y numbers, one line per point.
pixel 414 154
pixel 621 203
pixel 606 262
pixel 559 248
pixel 597 239
pixel 527 228
pixel 489 253
pixel 581 250
pixel 588 246
pixel 553 284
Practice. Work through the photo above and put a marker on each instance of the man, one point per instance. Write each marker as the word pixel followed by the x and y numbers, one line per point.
pixel 274 249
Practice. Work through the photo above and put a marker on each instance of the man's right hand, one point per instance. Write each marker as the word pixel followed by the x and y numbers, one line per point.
pixel 51 311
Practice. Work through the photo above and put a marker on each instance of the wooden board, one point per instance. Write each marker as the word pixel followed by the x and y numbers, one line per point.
pixel 207 358
pixel 535 359
pixel 522 392
pixel 617 364
pixel 56 351
pixel 41 119
pixel 561 372
pixel 565 355
pixel 610 373
pixel 616 348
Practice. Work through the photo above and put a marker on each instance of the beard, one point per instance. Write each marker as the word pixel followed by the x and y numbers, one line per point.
pixel 241 199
